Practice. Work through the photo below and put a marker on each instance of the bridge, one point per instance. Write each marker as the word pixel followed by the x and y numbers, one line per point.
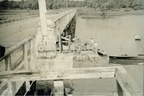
pixel 37 58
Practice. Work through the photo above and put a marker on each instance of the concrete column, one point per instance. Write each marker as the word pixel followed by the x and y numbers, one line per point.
pixel 42 11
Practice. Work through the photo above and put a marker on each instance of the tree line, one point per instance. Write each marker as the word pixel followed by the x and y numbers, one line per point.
pixel 110 4
pixel 55 4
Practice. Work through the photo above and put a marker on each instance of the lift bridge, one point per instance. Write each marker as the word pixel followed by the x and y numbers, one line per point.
pixel 40 59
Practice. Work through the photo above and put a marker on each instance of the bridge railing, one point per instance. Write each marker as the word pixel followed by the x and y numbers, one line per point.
pixel 19 56
pixel 17 59
pixel 63 21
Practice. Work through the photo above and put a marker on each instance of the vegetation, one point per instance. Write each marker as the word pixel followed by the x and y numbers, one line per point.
pixel 55 4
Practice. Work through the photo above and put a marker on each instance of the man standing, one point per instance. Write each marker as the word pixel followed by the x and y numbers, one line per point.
pixel 91 42
pixel 95 47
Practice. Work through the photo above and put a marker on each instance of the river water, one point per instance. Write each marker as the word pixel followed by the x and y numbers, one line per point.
pixel 116 35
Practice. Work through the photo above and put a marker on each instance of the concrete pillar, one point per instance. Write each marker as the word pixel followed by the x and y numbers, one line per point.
pixel 42 11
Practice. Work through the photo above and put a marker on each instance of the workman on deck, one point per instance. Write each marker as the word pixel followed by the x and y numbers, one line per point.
pixel 91 42
pixel 95 47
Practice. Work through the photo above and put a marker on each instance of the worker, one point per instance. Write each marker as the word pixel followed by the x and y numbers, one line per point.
pixel 95 47
pixel 91 42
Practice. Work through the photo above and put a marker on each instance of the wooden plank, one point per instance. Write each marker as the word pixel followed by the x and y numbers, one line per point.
pixel 18 85
pixel 69 43
pixel 25 56
pixel 3 73
pixel 127 84
pixel 31 63
pixel 58 88
pixel 62 62
pixel 60 41
pixel 17 63
pixel 79 73
pixel 3 87
pixel 4 93
pixel 10 89
pixel 27 86
pixel 8 63
pixel 20 66
pixel 65 38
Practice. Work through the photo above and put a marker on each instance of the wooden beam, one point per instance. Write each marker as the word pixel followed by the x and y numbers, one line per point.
pixel 17 63
pixel 3 87
pixel 129 87
pixel 65 38
pixel 19 66
pixel 58 88
pixel 8 63
pixel 69 42
pixel 10 88
pixel 4 73
pixel 25 56
pixel 60 41
pixel 76 73
pixel 31 63
pixel 4 93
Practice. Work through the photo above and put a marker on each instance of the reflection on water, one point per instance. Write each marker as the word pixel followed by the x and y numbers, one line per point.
pixel 115 35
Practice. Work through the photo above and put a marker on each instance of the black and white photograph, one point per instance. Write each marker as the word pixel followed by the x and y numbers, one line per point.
pixel 71 47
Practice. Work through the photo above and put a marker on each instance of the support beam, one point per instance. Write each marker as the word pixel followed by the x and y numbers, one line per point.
pixel 69 43
pixel 58 88
pixel 10 88
pixel 76 73
pixel 60 41
pixel 31 63
pixel 119 89
pixel 3 87
pixel 17 63
pixel 4 73
pixel 8 63
pixel 127 84
pixel 25 56
pixel 4 93
pixel 28 86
